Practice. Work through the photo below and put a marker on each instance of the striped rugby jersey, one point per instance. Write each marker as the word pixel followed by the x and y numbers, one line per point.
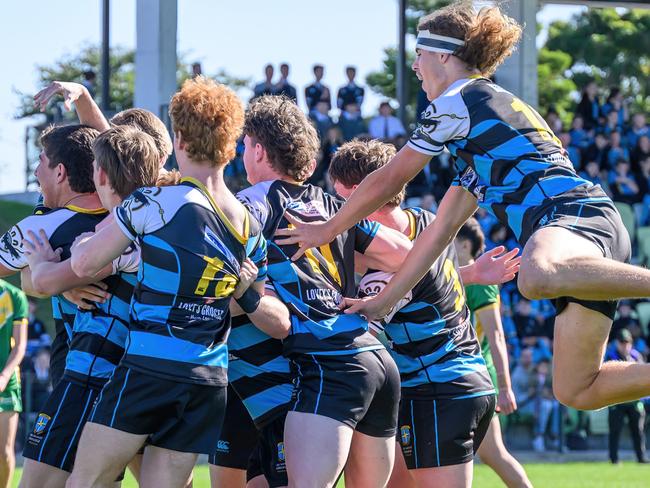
pixel 62 226
pixel 190 261
pixel 504 151
pixel 432 339
pixel 312 287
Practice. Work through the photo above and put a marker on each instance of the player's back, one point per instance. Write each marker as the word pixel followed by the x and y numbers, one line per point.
pixel 432 340
pixel 190 260
pixel 312 287
pixel 62 226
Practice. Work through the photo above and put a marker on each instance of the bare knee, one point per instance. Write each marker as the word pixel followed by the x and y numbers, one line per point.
pixel 537 278
pixel 580 398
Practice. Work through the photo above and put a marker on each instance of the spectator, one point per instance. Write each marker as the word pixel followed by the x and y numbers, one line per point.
pixel 579 136
pixel 574 152
pixel 616 151
pixel 321 118
pixel 611 124
pixel 90 82
pixel 616 103
pixel 283 86
pixel 521 374
pixel 385 125
pixel 350 93
pixel 622 184
pixel 622 350
pixel 317 92
pixel 37 336
pixel 351 122
pixel 597 151
pixel 643 179
pixel 197 70
pixel 266 87
pixel 531 329
pixel 332 141
pixel 639 128
pixel 589 107
pixel 553 120
pixel 640 151
pixel 624 319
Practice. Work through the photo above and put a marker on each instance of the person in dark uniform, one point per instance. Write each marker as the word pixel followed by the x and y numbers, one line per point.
pixel 575 247
pixel 634 412
pixel 283 87
pixel 317 91
pixel 350 93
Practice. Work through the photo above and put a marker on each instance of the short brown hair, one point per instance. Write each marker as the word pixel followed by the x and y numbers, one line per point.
pixel 209 117
pixel 471 231
pixel 290 140
pixel 356 159
pixel 147 122
pixel 129 157
pixel 489 35
pixel 71 146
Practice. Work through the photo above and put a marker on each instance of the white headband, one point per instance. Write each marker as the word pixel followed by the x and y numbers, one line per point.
pixel 436 43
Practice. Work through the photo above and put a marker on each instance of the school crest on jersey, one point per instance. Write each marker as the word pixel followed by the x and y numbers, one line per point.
pixel 312 208
pixel 470 181
pixel 10 243
pixel 41 423
pixel 405 435
pixel 281 457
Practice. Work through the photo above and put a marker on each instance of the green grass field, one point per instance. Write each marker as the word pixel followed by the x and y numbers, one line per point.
pixel 569 475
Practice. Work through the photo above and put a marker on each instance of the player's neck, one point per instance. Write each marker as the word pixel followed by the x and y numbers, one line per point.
pixel 394 218
pixel 89 201
pixel 210 176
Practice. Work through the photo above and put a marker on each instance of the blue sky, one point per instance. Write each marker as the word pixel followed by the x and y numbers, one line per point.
pixel 240 37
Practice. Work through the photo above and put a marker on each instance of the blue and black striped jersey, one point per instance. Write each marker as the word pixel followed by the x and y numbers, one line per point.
pixel 190 261
pixel 432 339
pixel 312 287
pixel 505 153
pixel 99 336
pixel 62 226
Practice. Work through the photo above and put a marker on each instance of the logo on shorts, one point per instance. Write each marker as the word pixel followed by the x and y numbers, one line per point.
pixel 405 435
pixel 223 446
pixel 41 423
pixel 281 451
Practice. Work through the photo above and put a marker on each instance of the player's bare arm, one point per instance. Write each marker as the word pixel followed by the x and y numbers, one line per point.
pixel 492 267
pixel 92 253
pixel 87 110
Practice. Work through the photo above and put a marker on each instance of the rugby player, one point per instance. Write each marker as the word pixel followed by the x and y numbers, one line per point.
pixel 125 159
pixel 447 397
pixel 196 241
pixel 13 341
pixel 484 303
pixel 65 175
pixel 575 247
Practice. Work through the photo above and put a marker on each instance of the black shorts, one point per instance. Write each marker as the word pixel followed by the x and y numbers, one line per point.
pixel 443 432
pixel 268 457
pixel 183 417
pixel 600 223
pixel 238 437
pixel 59 424
pixel 361 390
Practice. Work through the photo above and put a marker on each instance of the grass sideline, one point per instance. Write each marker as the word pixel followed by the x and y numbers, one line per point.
pixel 559 475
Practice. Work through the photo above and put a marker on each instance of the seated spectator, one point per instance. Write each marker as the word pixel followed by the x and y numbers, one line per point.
pixel 350 93
pixel 591 173
pixel 579 136
pixel 589 107
pixel 622 183
pixel 643 179
pixel 317 92
pixel 640 151
pixel 616 103
pixel 624 318
pixel 615 150
pixel 266 87
pixel 553 120
pixel 385 125
pixel 597 151
pixel 532 329
pixel 320 116
pixel 574 152
pixel 611 124
pixel 283 87
pixel 351 123
pixel 639 128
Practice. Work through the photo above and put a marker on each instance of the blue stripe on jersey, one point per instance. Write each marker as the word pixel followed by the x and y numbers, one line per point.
pixel 409 364
pixel 159 279
pixel 245 336
pixel 100 325
pixel 174 349
pixel 328 327
pixel 239 368
pixel 343 352
pixel 406 332
pixel 412 307
pixel 88 364
pixel 448 371
pixel 150 313
pixel 257 405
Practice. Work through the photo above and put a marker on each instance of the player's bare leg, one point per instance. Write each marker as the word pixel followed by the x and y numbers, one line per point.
pixel 370 462
pixel 493 452
pixel 401 475
pixel 135 466
pixel 258 482
pixel 102 455
pixel 8 428
pixel 456 476
pixel 557 262
pixel 41 475
pixel 305 436
pixel 222 477
pixel 164 468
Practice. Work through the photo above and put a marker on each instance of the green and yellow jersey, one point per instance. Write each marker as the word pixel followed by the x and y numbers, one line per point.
pixel 13 312
pixel 480 297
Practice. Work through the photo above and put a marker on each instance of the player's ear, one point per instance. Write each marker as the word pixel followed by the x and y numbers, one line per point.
pixel 61 173
pixel 179 143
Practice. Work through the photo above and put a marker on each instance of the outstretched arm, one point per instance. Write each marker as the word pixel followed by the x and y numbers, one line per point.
pixel 387 251
pixel 373 192
pixel 87 110
pixel 92 252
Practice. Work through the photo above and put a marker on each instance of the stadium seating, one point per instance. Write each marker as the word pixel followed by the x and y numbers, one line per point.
pixel 629 218
pixel 643 240
pixel 643 313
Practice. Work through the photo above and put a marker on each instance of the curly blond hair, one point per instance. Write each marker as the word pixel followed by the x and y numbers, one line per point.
pixel 290 140
pixel 489 35
pixel 209 117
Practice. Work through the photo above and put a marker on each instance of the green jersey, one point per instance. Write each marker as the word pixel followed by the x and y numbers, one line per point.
pixel 13 311
pixel 479 297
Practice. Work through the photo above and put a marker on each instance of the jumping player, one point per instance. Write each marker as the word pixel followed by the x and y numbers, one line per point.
pixel 447 398
pixel 484 303
pixel 196 243
pixel 65 175
pixel 13 341
pixel 510 163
